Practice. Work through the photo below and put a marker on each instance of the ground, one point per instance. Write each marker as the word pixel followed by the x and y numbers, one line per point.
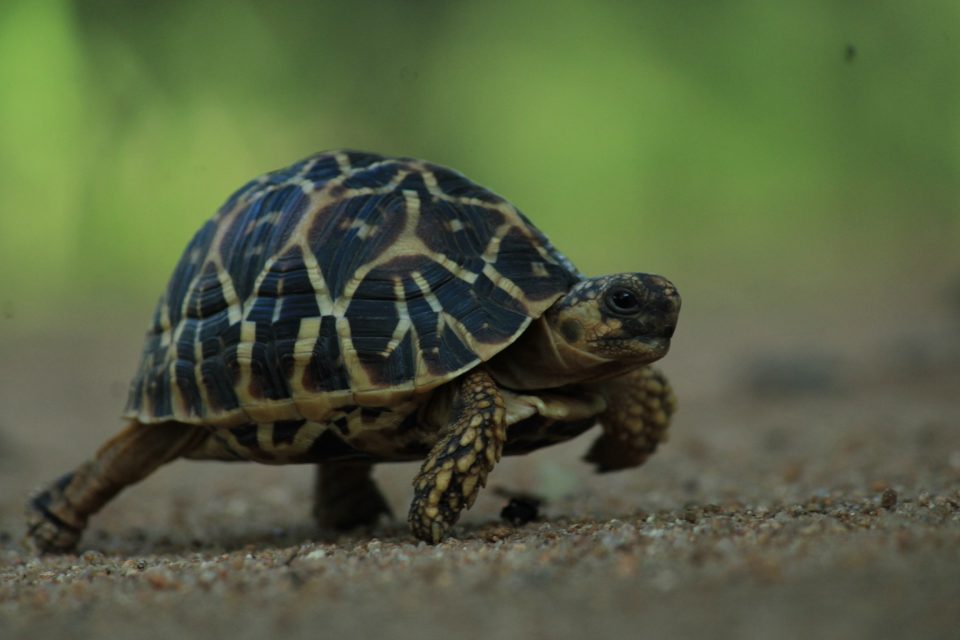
pixel 810 488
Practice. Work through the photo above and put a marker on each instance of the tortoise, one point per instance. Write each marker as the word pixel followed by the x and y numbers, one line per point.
pixel 354 308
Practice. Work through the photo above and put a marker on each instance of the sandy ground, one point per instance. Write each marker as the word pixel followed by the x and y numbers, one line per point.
pixel 811 488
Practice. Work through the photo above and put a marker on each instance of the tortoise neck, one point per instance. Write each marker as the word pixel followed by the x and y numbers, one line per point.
pixel 541 359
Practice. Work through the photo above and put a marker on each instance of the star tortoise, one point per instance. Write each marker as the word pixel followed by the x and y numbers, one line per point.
pixel 353 309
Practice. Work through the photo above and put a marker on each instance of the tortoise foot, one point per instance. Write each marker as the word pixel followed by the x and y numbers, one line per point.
pixel 50 525
pixel 347 497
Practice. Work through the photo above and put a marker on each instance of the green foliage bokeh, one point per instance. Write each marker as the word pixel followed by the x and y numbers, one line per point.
pixel 786 141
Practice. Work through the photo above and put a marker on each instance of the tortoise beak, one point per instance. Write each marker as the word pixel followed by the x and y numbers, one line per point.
pixel 661 306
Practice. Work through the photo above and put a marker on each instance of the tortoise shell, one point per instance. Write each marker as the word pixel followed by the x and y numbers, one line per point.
pixel 345 279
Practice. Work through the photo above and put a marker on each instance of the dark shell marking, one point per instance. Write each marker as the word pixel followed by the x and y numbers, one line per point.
pixel 346 279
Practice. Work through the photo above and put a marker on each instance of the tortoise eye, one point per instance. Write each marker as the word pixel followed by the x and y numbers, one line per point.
pixel 623 301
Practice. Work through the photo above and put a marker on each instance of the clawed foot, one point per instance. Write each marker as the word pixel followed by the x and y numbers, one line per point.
pixel 640 406
pixel 443 491
pixel 48 532
pixel 458 464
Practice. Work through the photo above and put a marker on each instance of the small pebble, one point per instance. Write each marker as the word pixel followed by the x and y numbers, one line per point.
pixel 316 554
pixel 521 510
pixel 159 578
pixel 888 499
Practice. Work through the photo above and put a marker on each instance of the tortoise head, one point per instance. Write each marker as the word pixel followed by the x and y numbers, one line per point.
pixel 627 317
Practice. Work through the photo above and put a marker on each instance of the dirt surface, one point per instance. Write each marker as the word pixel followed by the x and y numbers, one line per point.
pixel 810 488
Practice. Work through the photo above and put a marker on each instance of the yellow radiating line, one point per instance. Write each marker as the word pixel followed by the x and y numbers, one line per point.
pixel 463 333
pixel 270 219
pixel 443 318
pixel 319 285
pixel 166 334
pixel 343 162
pixel 265 437
pixel 356 372
pixel 424 287
pixel 403 323
pixel 248 332
pixel 305 436
pixel 308 167
pixel 350 288
pixel 234 304
pixel 504 283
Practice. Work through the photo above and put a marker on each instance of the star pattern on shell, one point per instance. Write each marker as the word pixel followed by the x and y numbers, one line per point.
pixel 347 279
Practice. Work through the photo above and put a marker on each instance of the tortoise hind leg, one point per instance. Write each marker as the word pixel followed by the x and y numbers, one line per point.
pixel 640 404
pixel 57 516
pixel 347 497
pixel 457 466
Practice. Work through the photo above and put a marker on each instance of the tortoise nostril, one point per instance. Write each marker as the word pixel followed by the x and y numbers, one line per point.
pixel 658 287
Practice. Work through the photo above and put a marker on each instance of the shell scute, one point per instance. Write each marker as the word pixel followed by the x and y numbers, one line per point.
pixel 180 283
pixel 455 185
pixel 324 370
pixel 361 159
pixel 189 389
pixel 353 232
pixel 320 170
pixel 218 382
pixel 387 367
pixel 375 178
pixel 258 231
pixel 535 277
pixel 267 380
pixel 458 232
pixel 207 297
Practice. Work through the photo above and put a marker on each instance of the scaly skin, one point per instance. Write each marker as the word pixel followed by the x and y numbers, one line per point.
pixel 639 407
pixel 458 464
pixel 57 515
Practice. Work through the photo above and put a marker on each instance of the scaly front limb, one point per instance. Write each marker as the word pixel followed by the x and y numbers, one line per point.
pixel 639 407
pixel 457 466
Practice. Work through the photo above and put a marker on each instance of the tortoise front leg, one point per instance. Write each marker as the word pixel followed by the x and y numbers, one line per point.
pixel 639 406
pixel 57 516
pixel 346 496
pixel 457 466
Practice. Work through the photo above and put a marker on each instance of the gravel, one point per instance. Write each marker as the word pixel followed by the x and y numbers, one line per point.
pixel 829 513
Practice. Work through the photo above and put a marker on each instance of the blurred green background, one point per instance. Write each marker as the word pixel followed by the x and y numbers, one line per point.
pixel 752 151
